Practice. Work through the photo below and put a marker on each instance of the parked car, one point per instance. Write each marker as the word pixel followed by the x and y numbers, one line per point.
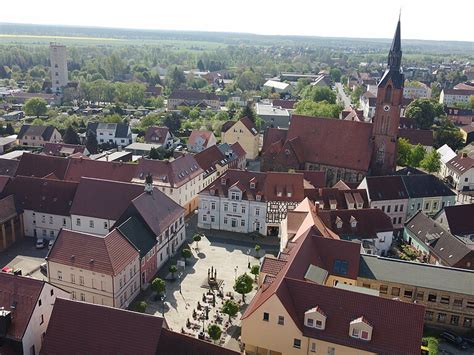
pixel 50 243
pixel 454 339
pixel 40 243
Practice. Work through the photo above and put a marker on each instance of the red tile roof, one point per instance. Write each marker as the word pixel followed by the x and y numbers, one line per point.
pixel 417 136
pixel 57 149
pixel 39 165
pixel 205 135
pixel 382 188
pixel 156 135
pixel 319 143
pixel 8 167
pixel 459 219
pixel 209 157
pixel 174 172
pixel 272 266
pixel 8 208
pixel 238 150
pixel 286 104
pixel 117 171
pixel 108 254
pixel 104 198
pixel 42 195
pixel 290 186
pixel 246 122
pixel 24 291
pixel 461 164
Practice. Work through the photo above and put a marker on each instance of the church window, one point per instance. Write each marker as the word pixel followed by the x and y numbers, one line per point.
pixel 388 94
pixel 380 155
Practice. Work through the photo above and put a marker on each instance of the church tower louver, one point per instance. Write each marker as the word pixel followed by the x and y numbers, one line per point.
pixel 387 112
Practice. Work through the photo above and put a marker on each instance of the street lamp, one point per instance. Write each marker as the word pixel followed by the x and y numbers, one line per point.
pixel 162 298
pixel 179 280
pixel 248 258
pixel 235 271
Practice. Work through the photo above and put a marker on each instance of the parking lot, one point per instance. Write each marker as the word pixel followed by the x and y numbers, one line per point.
pixel 24 256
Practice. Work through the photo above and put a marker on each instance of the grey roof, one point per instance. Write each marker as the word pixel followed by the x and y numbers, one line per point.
pixel 44 131
pixel 417 274
pixel 316 274
pixel 425 185
pixel 138 235
pixel 121 130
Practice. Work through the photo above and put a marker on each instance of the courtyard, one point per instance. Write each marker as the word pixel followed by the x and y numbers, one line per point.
pixel 188 294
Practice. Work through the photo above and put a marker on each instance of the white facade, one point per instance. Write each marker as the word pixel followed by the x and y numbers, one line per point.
pixel 232 213
pixel 454 98
pixel 44 225
pixel 184 194
pixel 464 181
pixel 106 134
pixel 33 336
pixel 93 225
pixel 58 59
pixel 169 242
pixel 417 91
pixel 383 242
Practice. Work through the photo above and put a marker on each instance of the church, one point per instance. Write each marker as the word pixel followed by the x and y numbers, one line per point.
pixel 344 150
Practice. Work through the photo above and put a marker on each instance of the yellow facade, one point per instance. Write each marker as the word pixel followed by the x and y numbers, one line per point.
pixel 239 133
pixel 273 338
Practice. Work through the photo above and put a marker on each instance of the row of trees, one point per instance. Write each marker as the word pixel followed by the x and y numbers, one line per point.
pixel 417 157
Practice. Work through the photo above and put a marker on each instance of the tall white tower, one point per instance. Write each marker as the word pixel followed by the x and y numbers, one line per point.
pixel 58 59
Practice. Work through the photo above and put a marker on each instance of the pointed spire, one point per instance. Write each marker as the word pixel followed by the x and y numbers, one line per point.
pixel 395 54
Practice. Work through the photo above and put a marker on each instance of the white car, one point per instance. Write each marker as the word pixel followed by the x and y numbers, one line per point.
pixel 50 243
pixel 39 243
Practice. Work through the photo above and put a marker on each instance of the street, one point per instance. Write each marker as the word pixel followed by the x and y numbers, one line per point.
pixel 342 95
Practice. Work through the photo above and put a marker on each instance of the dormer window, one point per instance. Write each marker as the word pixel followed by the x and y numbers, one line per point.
pixel 212 192
pixel 223 181
pixel 315 318
pixel 353 222
pixel 258 197
pixel 338 222
pixel 360 328
pixel 252 185
pixel 289 194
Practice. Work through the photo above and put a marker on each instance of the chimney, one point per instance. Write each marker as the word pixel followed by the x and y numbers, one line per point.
pixel 316 207
pixel 149 184
pixel 464 155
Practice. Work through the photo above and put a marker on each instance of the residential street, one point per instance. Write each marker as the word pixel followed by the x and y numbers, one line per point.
pixel 342 95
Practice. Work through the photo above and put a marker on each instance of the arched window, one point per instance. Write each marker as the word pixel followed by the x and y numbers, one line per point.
pixel 380 154
pixel 388 94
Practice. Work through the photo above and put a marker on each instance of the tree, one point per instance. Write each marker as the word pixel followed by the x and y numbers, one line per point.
pixel 173 122
pixel 424 112
pixel 9 129
pixel 36 106
pixel 173 269
pixel 243 285
pixel 200 65
pixel 417 155
pixel 34 87
pixel 140 307
pixel 249 112
pixel 231 308
pixel 403 152
pixel 186 254
pixel 214 332
pixel 197 239
pixel 431 162
pixel 318 109
pixel 91 142
pixel 257 249
pixel 318 94
pixel 158 285
pixel 335 74
pixel 255 270
pixel 448 133
pixel 71 136
pixel 175 78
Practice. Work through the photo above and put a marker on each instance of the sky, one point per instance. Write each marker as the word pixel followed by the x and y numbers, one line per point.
pixel 421 19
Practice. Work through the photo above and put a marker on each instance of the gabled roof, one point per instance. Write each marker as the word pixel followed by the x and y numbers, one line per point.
pixel 193 95
pixel 382 188
pixel 175 172
pixel 209 158
pixel 425 185
pixel 83 167
pixel 108 254
pixel 417 136
pixel 155 134
pixel 460 219
pixel 39 165
pixel 58 149
pixel 460 164
pixel 317 141
pixel 45 132
pixel 204 135
pixel 8 167
pixel 273 135
pixel 245 121
pixel 287 104
pixel 138 235
pixel 19 295
pixel 104 199
pixel 446 153
pixel 42 195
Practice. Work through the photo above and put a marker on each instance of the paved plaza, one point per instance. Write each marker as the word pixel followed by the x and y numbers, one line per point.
pixel 183 294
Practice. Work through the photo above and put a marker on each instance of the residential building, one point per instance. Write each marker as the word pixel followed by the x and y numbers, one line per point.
pixel 235 155
pixel 323 80
pixel 459 172
pixel 83 328
pixel 368 101
pixel 308 302
pixel 450 97
pixel 7 143
pixel 277 87
pixel 371 226
pixel 40 165
pixel 437 245
pixel 64 150
pixel 45 204
pixel 446 293
pixel 200 140
pixel 76 168
pixel 446 154
pixel 245 133
pixel 181 179
pixel 423 137
pixel 142 149
pixel 273 116
pixel 352 114
pixel 460 116
pixel 245 202
pixel 38 136
pixel 467 133
pixel 118 134
pixel 58 61
pixel 96 269
pixel 159 135
pixel 285 104
pixel 416 90
pixel 193 98
pixel 25 310
pixel 457 220
pixel 11 222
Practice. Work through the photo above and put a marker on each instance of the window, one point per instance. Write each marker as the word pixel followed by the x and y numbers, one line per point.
pixel 50 219
pixel 383 289
pixel 64 221
pixel 419 296
pixel 467 322
pixel 81 280
pixel 281 320
pixel 364 335
pixel 395 291
pixel 399 220
pixel 52 292
pixel 204 218
pixel 73 293
pixel 313 347
pixel 243 209
pixel 394 220
pixel 318 324
pixel 355 333
pixel 41 319
pixel 60 275
pixel 441 317
pixel 401 208
pixel 226 207
pixel 43 219
pixel 257 211
pixel 444 300
pixel 418 206
pixel 83 297
pixel 73 278
pixel 234 196
pixel 297 343
pixel 470 304
pixel 266 316
pixel 213 219
pixel 242 222
pixel 213 205
pixel 78 221
pixel 428 315
pixel 91 224
pixel 457 302
pixel 225 220
pixel 395 208
pixel 331 350
pixel 39 303
pixel 340 267
pixel 366 285
pixel 106 225
pixel 432 297
pixel 388 208
pixel 408 294
pixel 234 207
pixel 310 322
pixel 435 205
pixel 427 206
pixel 383 208
pixel 454 320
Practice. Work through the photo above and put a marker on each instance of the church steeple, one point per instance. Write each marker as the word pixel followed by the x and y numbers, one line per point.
pixel 395 54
